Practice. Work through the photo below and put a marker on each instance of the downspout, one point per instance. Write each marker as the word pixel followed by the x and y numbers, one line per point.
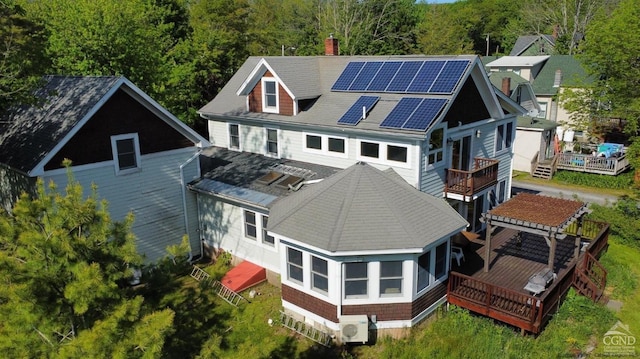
pixel 184 201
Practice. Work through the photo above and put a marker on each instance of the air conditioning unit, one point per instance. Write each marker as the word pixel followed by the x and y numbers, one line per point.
pixel 354 328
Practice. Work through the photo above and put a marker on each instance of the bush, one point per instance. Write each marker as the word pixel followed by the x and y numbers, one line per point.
pixel 623 217
pixel 621 181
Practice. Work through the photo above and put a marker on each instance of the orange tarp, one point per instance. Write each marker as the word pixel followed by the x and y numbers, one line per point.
pixel 243 276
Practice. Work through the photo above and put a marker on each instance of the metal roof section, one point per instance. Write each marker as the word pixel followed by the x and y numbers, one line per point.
pixel 363 208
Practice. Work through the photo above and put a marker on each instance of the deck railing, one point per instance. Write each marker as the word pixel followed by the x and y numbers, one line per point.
pixel 592 164
pixel 467 183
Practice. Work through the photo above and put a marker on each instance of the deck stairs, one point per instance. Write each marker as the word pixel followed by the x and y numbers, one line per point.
pixel 223 292
pixel 305 329
pixel 590 278
pixel 544 169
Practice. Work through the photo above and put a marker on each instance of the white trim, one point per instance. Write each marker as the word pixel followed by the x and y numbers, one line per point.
pixel 383 147
pixel 261 67
pixel 433 280
pixel 324 144
pixel 265 108
pixel 266 142
pixel 136 152
pixel 444 149
pixel 239 148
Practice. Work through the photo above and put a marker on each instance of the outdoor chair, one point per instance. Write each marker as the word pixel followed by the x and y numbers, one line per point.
pixel 457 254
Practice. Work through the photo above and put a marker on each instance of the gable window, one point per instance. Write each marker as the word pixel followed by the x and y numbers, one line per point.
pixel 390 278
pixel 234 136
pixel 436 147
pixel 250 228
pixel 355 280
pixel 397 153
pixel 266 238
pixel 504 134
pixel 294 264
pixel 424 271
pixel 272 142
pixel 441 261
pixel 314 142
pixel 126 153
pixel 369 149
pixel 336 144
pixel 269 95
pixel 319 274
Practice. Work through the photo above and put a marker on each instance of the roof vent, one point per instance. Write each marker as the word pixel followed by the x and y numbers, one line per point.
pixel 558 78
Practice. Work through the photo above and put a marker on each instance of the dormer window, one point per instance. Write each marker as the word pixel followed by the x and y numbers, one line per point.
pixel 126 153
pixel 269 95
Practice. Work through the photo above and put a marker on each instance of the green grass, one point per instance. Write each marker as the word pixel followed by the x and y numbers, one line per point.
pixel 611 185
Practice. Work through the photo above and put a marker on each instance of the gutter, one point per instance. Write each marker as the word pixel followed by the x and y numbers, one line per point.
pixel 183 187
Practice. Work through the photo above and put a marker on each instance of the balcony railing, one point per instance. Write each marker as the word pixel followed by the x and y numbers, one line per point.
pixel 592 164
pixel 468 183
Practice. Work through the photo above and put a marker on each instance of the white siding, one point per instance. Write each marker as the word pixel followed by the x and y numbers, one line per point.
pixel 222 226
pixel 154 195
pixel 526 145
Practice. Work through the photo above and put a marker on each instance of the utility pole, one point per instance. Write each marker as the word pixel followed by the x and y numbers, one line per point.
pixel 487 44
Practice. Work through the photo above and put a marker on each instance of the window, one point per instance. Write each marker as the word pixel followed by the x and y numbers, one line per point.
pixel 266 238
pixel 294 264
pixel 390 278
pixel 424 271
pixel 319 274
pixel 234 136
pixel 272 142
pixel 397 153
pixel 336 145
pixel 502 188
pixel 436 146
pixel 269 95
pixel 355 280
pixel 369 149
pixel 504 134
pixel 126 153
pixel 250 228
pixel 314 142
pixel 441 260
pixel 543 110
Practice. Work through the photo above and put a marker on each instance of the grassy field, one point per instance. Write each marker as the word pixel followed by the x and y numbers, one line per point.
pixel 245 332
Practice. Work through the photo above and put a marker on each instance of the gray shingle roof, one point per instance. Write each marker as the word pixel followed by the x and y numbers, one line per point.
pixel 524 42
pixel 29 133
pixel 364 209
pixel 307 76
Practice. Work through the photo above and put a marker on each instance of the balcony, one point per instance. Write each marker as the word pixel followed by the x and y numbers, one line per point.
pixel 468 183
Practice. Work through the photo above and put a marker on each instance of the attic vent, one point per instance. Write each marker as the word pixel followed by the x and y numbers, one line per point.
pixel 558 78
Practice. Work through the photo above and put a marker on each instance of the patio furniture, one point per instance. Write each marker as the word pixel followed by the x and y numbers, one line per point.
pixel 538 282
pixel 457 254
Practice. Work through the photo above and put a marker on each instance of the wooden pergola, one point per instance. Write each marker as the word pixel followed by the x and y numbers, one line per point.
pixel 546 216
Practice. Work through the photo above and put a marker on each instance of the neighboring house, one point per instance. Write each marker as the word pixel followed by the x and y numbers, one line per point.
pixel 437 122
pixel 118 138
pixel 534 45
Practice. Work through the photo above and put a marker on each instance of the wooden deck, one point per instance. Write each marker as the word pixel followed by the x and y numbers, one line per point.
pixel 515 256
pixel 586 163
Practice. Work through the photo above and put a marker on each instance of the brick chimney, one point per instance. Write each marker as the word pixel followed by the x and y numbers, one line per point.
pixel 506 86
pixel 331 46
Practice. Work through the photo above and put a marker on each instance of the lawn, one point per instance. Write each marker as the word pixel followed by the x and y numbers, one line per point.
pixel 224 331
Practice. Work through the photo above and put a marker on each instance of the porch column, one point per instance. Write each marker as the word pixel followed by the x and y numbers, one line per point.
pixel 576 251
pixel 487 247
pixel 552 251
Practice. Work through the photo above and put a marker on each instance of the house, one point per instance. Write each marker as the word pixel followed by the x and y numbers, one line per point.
pixel 437 123
pixel 534 45
pixel 118 138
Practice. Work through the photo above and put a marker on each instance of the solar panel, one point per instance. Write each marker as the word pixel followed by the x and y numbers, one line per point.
pixel 347 76
pixel 403 77
pixel 425 114
pixel 368 72
pixel 355 113
pixel 449 77
pixel 425 77
pixel 401 112
pixel 384 76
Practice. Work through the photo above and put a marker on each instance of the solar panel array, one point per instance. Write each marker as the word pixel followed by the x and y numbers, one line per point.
pixel 412 113
pixel 428 76
pixel 355 113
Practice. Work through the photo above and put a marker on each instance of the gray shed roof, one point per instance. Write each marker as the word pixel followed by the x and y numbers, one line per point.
pixel 364 209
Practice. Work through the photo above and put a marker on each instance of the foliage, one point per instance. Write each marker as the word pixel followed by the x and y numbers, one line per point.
pixel 624 219
pixel 594 180
pixel 22 59
pixel 445 30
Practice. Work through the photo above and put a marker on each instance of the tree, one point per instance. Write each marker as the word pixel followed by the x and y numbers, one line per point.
pixel 444 30
pixel 64 268
pixel 22 58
